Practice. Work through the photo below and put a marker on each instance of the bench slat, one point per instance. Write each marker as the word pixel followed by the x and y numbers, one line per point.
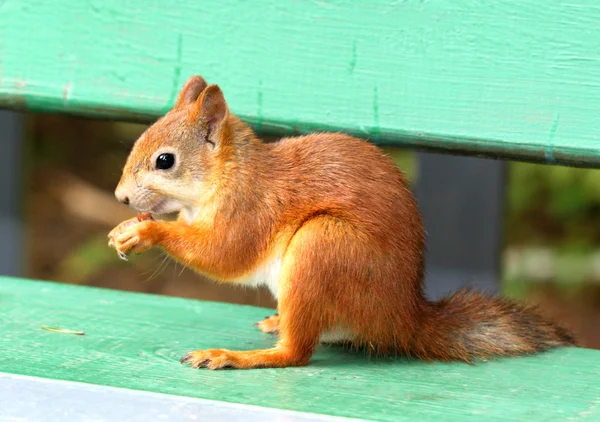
pixel 510 79
pixel 134 341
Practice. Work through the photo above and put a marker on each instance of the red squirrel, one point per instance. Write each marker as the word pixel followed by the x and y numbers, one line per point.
pixel 326 221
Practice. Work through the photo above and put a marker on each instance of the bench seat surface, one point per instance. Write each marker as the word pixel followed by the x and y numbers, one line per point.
pixel 135 340
pixel 498 78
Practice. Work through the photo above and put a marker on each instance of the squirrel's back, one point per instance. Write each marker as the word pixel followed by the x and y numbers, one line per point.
pixel 349 178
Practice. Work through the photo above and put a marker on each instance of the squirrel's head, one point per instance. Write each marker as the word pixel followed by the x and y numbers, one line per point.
pixel 176 159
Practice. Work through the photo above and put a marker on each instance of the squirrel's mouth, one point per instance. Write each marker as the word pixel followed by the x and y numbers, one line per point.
pixel 165 206
pixel 158 206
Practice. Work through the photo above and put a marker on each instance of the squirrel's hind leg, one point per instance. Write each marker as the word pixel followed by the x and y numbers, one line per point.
pixel 303 310
pixel 299 330
pixel 300 325
pixel 269 325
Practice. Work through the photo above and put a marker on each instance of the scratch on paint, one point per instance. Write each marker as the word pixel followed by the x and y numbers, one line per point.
pixel 67 92
pixel 593 405
pixel 259 106
pixel 376 111
pixel 353 59
pixel 549 151
pixel 176 74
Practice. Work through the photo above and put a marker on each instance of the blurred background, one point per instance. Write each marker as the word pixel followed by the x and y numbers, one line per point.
pixel 549 231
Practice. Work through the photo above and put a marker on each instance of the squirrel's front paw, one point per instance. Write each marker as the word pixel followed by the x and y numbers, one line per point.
pixel 119 229
pixel 134 238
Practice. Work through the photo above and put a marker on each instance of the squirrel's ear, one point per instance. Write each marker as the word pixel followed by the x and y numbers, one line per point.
pixel 212 107
pixel 191 91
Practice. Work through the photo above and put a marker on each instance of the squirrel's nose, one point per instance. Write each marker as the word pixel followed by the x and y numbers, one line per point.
pixel 122 196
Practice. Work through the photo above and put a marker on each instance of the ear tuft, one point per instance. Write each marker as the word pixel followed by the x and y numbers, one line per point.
pixel 190 92
pixel 212 106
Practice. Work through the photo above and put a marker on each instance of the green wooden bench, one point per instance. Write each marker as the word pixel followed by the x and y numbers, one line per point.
pixel 505 79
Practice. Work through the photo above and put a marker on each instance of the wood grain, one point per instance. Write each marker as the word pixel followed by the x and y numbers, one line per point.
pixel 134 341
pixel 496 78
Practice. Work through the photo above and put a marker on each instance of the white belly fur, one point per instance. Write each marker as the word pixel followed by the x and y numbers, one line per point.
pixel 336 335
pixel 268 274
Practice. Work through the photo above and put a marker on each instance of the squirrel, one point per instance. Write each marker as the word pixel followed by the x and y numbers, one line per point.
pixel 326 221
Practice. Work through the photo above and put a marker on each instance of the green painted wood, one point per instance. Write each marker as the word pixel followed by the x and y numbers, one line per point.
pixel 135 340
pixel 500 78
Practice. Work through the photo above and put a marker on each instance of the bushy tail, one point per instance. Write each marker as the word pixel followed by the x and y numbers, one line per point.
pixel 470 325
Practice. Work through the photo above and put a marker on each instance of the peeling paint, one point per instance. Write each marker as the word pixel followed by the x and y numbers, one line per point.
pixel 376 128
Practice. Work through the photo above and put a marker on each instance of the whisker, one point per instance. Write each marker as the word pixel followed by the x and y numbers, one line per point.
pixel 159 269
pixel 182 270
pixel 156 258
pixel 174 269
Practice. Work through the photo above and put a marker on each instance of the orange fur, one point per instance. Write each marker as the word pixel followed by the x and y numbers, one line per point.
pixel 269 325
pixel 328 216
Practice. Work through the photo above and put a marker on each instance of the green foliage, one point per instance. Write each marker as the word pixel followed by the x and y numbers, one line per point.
pixel 89 257
pixel 405 160
pixel 553 205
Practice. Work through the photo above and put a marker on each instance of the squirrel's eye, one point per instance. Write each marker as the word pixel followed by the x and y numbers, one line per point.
pixel 165 161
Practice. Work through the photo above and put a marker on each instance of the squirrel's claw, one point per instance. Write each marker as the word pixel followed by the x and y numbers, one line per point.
pixel 202 364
